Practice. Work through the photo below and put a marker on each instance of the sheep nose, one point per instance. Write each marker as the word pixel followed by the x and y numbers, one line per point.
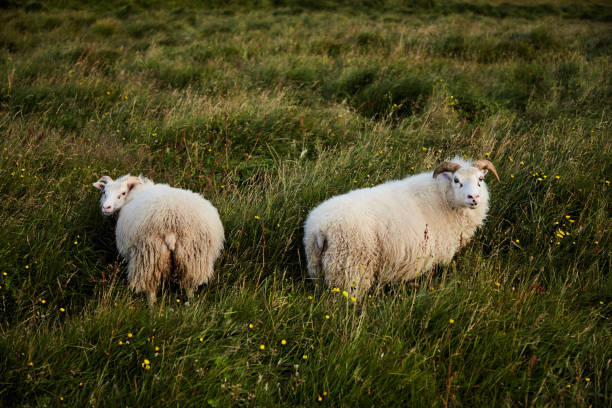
pixel 107 207
pixel 473 197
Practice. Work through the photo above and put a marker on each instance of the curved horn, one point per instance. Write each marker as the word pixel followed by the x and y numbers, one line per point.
pixel 485 164
pixel 104 180
pixel 132 181
pixel 446 166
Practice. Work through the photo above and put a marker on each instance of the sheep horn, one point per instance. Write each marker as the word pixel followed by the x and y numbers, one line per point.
pixel 103 181
pixel 132 181
pixel 446 166
pixel 485 164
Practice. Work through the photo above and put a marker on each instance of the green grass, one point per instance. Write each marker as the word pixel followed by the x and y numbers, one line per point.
pixel 267 111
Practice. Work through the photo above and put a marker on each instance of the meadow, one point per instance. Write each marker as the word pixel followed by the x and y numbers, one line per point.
pixel 267 109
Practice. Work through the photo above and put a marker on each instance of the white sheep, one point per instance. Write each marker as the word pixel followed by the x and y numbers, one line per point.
pixel 160 230
pixel 397 230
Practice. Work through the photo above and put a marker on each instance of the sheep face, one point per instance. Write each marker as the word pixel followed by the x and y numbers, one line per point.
pixel 114 194
pixel 466 181
pixel 468 187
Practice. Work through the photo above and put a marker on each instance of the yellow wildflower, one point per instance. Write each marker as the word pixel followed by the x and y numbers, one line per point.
pixel 146 364
pixel 283 342
pixel 262 347
pixel 451 321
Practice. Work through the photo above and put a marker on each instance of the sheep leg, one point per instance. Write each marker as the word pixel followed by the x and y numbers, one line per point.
pixel 149 264
pixel 349 268
pixel 151 298
pixel 189 292
pixel 193 265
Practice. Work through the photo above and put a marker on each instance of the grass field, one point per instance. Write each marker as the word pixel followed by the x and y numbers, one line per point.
pixel 267 110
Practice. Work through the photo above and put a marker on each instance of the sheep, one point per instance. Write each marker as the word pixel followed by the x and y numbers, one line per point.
pixel 160 230
pixel 398 230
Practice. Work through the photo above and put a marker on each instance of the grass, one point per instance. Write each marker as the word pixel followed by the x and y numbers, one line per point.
pixel 267 111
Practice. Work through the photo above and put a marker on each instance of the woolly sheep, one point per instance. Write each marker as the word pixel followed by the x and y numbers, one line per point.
pixel 397 230
pixel 161 229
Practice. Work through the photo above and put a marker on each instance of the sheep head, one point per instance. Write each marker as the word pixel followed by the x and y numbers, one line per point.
pixel 114 194
pixel 468 189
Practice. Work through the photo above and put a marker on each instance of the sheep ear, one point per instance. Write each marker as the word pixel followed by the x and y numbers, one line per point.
pixel 446 176
pixel 100 184
pixel 133 182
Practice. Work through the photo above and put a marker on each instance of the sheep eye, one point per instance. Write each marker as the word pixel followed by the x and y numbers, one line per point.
pixel 124 192
pixel 480 179
pixel 456 180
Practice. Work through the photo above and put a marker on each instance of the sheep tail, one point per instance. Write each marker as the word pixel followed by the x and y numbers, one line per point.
pixel 319 247
pixel 170 240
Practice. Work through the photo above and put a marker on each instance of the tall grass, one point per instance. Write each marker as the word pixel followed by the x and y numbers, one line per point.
pixel 267 112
